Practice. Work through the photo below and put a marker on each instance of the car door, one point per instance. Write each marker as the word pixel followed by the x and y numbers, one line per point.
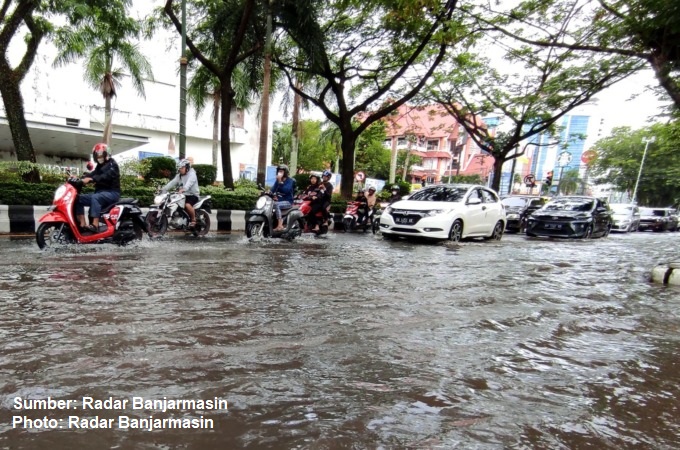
pixel 475 212
pixel 493 210
pixel 602 217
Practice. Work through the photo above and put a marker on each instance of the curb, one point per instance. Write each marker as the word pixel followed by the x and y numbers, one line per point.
pixel 667 273
pixel 24 219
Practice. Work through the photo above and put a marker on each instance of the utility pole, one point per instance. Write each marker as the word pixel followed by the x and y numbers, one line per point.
pixel 183 86
pixel 646 141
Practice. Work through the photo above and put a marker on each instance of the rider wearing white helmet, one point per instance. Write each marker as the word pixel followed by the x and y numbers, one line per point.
pixel 188 185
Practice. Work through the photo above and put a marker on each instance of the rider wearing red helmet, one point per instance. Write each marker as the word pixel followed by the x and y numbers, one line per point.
pixel 106 177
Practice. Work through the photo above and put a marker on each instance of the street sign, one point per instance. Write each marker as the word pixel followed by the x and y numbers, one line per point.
pixel 359 177
pixel 588 156
pixel 529 179
pixel 563 159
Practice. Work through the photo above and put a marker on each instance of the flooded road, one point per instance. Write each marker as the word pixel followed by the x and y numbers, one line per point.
pixel 343 342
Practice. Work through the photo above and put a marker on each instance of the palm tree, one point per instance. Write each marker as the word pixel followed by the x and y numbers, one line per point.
pixel 570 182
pixel 104 39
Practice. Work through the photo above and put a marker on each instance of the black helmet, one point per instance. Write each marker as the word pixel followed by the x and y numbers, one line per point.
pixel 283 167
pixel 314 176
pixel 371 189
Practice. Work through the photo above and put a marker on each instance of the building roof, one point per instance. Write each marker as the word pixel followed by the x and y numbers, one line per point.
pixel 431 121
pixel 67 141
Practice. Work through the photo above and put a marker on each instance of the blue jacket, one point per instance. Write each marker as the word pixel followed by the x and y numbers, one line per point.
pixel 284 191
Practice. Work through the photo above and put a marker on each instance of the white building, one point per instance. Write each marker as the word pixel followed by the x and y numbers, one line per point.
pixel 65 116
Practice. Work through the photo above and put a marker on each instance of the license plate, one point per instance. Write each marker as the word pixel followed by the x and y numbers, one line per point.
pixel 553 226
pixel 404 220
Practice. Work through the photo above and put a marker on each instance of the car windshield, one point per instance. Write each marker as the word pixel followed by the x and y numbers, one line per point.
pixel 621 209
pixel 569 204
pixel 653 212
pixel 440 194
pixel 511 202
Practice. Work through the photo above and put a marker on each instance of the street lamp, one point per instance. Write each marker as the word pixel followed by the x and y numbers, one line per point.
pixel 646 141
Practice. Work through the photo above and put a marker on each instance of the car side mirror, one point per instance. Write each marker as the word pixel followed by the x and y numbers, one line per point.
pixel 474 201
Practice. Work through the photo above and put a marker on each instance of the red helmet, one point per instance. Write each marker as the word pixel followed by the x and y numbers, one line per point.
pixel 100 150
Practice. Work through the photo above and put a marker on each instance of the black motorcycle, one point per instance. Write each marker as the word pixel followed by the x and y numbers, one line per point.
pixel 260 221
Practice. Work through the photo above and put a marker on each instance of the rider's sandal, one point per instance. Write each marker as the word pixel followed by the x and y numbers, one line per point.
pixel 192 224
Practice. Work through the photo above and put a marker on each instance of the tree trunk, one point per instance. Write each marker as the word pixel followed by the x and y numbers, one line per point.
pixel 348 144
pixel 227 94
pixel 14 109
pixel 497 172
pixel 662 69
pixel 216 126
pixel 295 131
pixel 264 117
pixel 393 161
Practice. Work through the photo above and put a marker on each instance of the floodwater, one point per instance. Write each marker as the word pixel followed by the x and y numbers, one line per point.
pixel 342 342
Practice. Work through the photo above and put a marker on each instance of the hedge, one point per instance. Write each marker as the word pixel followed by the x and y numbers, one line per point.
pixel 162 167
pixel 206 174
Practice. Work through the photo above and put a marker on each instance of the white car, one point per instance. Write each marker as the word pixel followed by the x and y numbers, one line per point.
pixel 626 217
pixel 446 211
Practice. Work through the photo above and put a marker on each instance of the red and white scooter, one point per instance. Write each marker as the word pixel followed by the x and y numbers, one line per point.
pixel 118 224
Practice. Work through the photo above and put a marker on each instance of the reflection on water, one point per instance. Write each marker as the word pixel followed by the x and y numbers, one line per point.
pixel 349 342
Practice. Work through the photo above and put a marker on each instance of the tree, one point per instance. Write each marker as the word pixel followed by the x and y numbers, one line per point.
pixel 538 88
pixel 223 36
pixel 570 182
pixel 106 37
pixel 619 157
pixel 364 60
pixel 648 30
pixel 313 152
pixel 14 15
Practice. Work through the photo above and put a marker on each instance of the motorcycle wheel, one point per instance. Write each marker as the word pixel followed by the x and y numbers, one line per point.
pixel 376 225
pixel 156 223
pixel 347 224
pixel 295 229
pixel 202 223
pixel 48 236
pixel 256 230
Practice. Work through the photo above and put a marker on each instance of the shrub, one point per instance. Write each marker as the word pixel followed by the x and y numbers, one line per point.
pixel 161 167
pixel 206 174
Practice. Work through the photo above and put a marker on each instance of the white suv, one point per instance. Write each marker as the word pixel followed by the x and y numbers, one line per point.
pixel 446 211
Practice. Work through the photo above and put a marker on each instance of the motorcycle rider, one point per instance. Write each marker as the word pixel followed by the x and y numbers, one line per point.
pixel 315 193
pixel 283 190
pixel 106 177
pixel 362 211
pixel 372 200
pixel 395 195
pixel 188 182
pixel 328 195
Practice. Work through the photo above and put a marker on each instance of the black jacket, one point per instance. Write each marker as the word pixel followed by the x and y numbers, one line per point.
pixel 106 176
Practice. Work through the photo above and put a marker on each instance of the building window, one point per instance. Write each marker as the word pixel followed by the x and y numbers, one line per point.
pixel 72 122
pixel 433 144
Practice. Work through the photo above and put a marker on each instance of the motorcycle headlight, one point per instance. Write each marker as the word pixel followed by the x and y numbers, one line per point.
pixel 160 198
pixel 261 202
pixel 60 192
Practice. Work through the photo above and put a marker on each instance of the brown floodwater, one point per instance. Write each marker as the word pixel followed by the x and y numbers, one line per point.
pixel 341 342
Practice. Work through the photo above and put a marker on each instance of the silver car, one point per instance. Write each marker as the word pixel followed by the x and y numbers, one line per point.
pixel 626 217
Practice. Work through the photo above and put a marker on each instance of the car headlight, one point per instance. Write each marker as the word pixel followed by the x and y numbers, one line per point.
pixel 512 216
pixel 436 212
pixel 389 210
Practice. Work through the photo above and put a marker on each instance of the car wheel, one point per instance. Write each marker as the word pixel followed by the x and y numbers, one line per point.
pixel 497 232
pixel 589 232
pixel 607 231
pixel 456 232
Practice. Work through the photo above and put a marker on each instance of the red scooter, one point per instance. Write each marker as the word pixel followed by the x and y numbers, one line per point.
pixel 119 223
pixel 304 204
pixel 351 217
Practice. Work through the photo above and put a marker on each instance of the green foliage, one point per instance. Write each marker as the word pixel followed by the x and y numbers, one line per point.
pixel 619 157
pixel 464 179
pixel 237 199
pixel 206 174
pixel 372 157
pixel 20 193
pixel 571 182
pixel 301 181
pixel 161 167
pixel 313 152
pixel 243 184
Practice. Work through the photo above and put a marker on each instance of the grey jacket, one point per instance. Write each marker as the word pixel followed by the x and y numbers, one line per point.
pixel 189 182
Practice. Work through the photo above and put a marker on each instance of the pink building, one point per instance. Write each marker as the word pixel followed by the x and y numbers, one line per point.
pixel 435 136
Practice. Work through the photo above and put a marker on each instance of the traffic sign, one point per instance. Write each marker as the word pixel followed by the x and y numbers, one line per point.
pixel 588 156
pixel 563 159
pixel 529 179
pixel 359 177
